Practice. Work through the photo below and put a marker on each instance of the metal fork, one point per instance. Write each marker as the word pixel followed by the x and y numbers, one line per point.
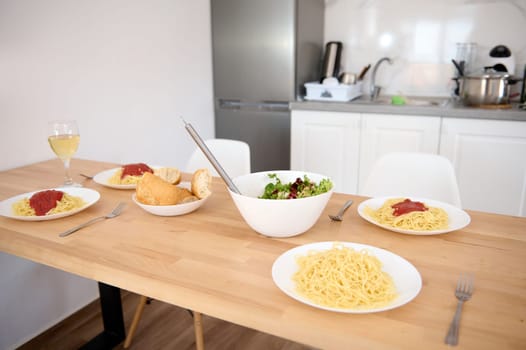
pixel 463 293
pixel 339 216
pixel 115 212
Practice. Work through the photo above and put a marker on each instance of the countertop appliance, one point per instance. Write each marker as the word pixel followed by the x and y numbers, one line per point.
pixel 331 60
pixel 263 52
pixel 501 59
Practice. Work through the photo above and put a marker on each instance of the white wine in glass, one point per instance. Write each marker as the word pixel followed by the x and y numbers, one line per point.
pixel 64 140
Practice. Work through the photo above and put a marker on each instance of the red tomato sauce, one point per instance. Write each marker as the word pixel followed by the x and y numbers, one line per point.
pixel 136 169
pixel 407 206
pixel 42 202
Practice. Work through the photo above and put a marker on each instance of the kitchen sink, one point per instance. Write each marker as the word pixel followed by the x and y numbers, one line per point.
pixel 409 101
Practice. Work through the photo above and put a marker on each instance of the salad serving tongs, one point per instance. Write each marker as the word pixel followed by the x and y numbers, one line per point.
pixel 199 141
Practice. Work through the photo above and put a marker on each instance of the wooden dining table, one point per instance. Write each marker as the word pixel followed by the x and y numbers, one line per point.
pixel 212 262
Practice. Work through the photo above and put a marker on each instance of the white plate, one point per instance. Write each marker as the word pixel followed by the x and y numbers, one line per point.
pixel 405 276
pixel 458 218
pixel 172 210
pixel 103 178
pixel 89 196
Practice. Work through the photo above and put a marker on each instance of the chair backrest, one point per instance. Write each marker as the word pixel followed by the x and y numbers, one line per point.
pixel 413 174
pixel 233 155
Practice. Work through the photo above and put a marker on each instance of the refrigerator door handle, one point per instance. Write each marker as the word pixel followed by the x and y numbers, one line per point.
pixel 229 104
pixel 279 106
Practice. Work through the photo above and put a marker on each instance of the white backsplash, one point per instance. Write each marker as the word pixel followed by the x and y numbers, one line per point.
pixel 421 37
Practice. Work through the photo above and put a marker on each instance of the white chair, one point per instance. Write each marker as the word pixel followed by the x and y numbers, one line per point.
pixel 413 174
pixel 233 155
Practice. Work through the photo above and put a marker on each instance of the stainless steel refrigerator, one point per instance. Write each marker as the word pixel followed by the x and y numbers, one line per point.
pixel 263 53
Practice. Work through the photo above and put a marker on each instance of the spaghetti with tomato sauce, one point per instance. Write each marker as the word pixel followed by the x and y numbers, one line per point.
pixel 403 213
pixel 129 174
pixel 47 202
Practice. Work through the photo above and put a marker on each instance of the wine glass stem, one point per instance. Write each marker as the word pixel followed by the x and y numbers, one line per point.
pixel 67 180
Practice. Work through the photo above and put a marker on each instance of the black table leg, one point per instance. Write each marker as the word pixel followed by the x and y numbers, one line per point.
pixel 112 318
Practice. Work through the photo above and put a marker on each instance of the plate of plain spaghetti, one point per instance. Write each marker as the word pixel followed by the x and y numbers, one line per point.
pixel 414 216
pixel 346 277
pixel 48 204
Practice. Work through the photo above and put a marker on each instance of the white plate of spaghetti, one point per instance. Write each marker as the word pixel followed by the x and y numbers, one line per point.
pixel 113 178
pixel 103 178
pixel 133 173
pixel 72 201
pixel 344 271
pixel 437 218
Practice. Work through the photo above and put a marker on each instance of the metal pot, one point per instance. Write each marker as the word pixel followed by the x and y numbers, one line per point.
pixel 347 78
pixel 485 89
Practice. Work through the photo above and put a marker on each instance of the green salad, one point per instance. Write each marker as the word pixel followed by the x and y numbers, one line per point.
pixel 300 188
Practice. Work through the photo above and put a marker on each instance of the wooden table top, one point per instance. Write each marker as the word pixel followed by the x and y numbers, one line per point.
pixel 212 262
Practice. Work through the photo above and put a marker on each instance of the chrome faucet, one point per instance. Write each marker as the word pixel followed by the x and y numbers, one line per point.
pixel 375 90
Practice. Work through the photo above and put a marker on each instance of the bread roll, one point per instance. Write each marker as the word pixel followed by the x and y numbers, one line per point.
pixel 185 196
pixel 188 199
pixel 201 182
pixel 153 190
pixel 171 175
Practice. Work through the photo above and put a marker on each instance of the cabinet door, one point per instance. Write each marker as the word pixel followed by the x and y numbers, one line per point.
pixel 383 133
pixel 327 143
pixel 490 162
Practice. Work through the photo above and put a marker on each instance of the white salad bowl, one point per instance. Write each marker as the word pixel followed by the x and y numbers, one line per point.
pixel 278 217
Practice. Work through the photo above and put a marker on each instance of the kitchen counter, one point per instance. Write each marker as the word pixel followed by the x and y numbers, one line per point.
pixel 433 106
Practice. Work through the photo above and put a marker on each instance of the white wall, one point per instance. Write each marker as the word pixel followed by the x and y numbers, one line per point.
pixel 421 36
pixel 126 70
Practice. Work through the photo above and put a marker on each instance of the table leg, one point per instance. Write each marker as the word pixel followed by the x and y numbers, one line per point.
pixel 112 319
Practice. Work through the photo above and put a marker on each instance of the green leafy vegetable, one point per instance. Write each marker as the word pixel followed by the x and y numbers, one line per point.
pixel 300 188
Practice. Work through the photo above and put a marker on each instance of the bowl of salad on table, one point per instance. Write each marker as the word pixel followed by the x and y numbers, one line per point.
pixel 281 203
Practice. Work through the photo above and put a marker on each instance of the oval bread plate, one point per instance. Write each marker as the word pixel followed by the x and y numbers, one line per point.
pixel 172 210
pixel 103 178
pixel 458 218
pixel 89 196
pixel 406 277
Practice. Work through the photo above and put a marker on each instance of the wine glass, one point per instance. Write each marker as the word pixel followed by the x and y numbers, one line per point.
pixel 64 140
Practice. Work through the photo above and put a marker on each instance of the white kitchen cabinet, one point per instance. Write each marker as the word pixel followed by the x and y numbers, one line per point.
pixel 384 133
pixel 327 143
pixel 489 157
